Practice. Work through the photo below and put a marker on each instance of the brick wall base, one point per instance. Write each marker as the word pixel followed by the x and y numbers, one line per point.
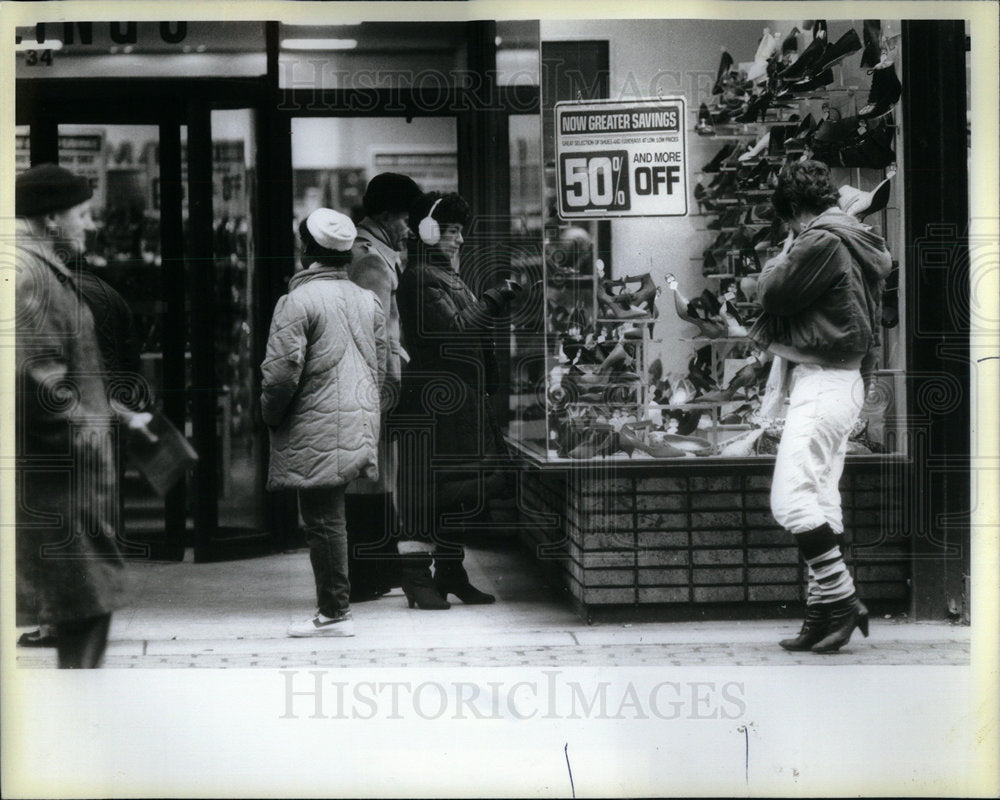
pixel 634 543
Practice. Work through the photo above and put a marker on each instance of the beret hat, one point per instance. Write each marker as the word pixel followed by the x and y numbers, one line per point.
pixel 47 188
pixel 331 229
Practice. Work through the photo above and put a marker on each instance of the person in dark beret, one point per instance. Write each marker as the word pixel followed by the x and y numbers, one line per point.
pixel 69 569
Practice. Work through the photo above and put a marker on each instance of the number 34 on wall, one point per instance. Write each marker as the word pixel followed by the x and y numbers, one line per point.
pixel 34 58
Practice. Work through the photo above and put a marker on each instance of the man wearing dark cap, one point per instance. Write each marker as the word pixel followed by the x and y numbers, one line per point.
pixel 69 567
pixel 377 265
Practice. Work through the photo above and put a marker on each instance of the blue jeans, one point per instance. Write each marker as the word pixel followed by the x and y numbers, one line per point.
pixel 325 524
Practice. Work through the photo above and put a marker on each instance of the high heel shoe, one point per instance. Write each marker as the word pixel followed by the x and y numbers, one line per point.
pixel 629 442
pixel 618 356
pixel 599 444
pixel 758 148
pixel 703 198
pixel 756 108
pixel 724 152
pixel 862 204
pixel 745 377
pixel 809 58
pixel 790 44
pixel 812 83
pixel 844 46
pixel 725 63
pixel 844 617
pixel 813 628
pixel 797 142
pixel 450 577
pixel 418 586
pixel 704 126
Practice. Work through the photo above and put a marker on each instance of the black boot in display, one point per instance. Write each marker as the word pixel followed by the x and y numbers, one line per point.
pixel 450 577
pixel 872 36
pixel 885 92
pixel 418 585
pixel 844 617
pixel 813 628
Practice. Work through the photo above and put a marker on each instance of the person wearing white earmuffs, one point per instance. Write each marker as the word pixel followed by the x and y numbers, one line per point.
pixel 453 446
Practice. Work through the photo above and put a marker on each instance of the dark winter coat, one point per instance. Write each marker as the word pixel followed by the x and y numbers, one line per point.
pixel 822 300
pixel 116 338
pixel 449 380
pixel 322 376
pixel 68 563
pixel 375 266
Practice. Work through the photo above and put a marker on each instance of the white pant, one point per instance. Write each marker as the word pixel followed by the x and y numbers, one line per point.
pixel 825 404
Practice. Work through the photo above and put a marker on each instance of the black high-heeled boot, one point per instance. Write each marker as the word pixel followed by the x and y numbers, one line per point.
pixel 813 628
pixel 725 63
pixel 844 617
pixel 810 58
pixel 450 577
pixel 885 92
pixel 872 35
pixel 418 585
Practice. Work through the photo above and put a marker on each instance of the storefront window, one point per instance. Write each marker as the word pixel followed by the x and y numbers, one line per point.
pixel 527 346
pixel 122 163
pixel 647 318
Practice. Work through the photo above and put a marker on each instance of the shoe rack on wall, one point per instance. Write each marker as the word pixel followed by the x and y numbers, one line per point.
pixel 817 93
pixel 802 97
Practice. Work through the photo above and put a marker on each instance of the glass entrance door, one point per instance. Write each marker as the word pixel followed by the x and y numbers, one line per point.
pixel 190 282
pixel 128 273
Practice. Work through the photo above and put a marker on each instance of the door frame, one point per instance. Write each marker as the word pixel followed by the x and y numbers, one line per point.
pixel 44 105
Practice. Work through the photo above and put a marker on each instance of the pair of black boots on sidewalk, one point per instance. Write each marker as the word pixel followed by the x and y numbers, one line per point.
pixel 431 593
pixel 827 626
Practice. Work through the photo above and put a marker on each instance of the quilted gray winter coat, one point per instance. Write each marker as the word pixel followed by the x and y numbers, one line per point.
pixel 322 375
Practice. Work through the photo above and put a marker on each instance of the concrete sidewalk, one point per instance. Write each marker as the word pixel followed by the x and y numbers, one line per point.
pixel 234 614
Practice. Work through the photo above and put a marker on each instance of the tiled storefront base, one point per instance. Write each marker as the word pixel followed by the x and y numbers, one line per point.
pixel 697 540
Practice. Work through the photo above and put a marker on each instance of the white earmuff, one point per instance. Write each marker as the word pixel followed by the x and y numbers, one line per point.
pixel 429 230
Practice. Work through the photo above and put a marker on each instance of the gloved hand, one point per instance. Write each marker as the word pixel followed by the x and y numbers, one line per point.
pixel 501 296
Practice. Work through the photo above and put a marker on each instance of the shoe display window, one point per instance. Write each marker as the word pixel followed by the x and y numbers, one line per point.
pixel 646 347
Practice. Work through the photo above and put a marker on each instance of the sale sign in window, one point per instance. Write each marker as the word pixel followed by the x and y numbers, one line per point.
pixel 621 159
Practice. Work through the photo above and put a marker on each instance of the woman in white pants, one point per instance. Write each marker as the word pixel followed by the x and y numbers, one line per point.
pixel 821 300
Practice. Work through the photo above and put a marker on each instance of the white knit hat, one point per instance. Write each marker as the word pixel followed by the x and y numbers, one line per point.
pixel 331 229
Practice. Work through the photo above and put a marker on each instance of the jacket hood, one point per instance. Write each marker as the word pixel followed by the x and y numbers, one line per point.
pixel 867 247
pixel 317 272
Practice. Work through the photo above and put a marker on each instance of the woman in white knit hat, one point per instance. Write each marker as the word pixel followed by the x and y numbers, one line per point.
pixel 320 397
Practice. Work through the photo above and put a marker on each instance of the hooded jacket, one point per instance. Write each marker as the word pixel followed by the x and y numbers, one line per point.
pixel 822 299
pixel 322 374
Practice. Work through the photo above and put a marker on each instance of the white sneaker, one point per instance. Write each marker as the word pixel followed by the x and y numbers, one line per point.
pixel 321 625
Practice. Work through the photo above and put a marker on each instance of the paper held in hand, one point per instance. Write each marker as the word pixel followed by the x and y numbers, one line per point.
pixel 162 462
